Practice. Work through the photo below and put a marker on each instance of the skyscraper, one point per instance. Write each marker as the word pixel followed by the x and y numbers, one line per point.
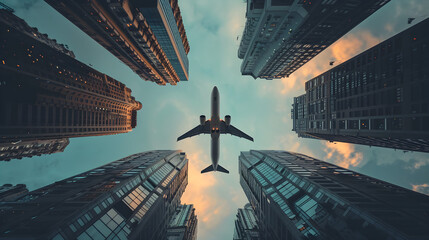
pixel 246 224
pixel 183 224
pixel 131 198
pixel 20 149
pixel 148 36
pixel 298 197
pixel 46 94
pixel 377 98
pixel 8 192
pixel 281 36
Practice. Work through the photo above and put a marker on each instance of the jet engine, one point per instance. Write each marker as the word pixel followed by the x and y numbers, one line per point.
pixel 227 120
pixel 202 120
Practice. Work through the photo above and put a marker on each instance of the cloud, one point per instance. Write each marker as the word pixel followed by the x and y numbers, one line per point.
pixel 352 44
pixel 198 186
pixel 422 188
pixel 343 154
pixel 210 204
pixel 342 50
pixel 419 164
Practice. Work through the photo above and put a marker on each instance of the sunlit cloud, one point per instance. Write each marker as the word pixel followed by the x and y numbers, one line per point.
pixel 203 191
pixel 351 45
pixel 345 48
pixel 388 27
pixel 199 186
pixel 417 164
pixel 343 154
pixel 422 188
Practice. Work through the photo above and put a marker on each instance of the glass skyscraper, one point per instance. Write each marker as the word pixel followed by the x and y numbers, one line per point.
pixel 148 36
pixel 246 224
pixel 377 98
pixel 160 17
pixel 281 36
pixel 183 224
pixel 47 96
pixel 131 198
pixel 298 197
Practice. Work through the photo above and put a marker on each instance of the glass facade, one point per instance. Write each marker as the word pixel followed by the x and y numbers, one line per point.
pixel 246 224
pixel 281 36
pixel 183 224
pixel 377 98
pixel 46 94
pixel 163 24
pixel 152 43
pixel 18 150
pixel 298 197
pixel 132 198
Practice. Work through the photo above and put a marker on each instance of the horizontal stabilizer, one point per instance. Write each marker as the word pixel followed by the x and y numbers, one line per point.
pixel 207 169
pixel 221 169
pixel 210 169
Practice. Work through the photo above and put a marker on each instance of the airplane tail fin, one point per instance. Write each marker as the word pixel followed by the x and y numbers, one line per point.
pixel 207 169
pixel 210 169
pixel 221 169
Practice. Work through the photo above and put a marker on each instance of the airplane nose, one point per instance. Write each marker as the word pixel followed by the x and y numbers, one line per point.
pixel 215 90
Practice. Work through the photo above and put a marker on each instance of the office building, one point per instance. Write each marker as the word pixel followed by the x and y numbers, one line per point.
pixel 377 98
pixel 298 197
pixel 148 36
pixel 9 192
pixel 20 149
pixel 131 198
pixel 281 36
pixel 246 224
pixel 183 224
pixel 46 94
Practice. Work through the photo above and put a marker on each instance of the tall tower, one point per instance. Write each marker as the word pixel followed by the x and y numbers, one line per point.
pixel 246 224
pixel 131 198
pixel 183 224
pixel 298 197
pixel 281 36
pixel 8 192
pixel 46 94
pixel 148 36
pixel 19 149
pixel 377 98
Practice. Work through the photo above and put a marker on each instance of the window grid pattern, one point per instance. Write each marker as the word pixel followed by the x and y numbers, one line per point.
pixel 155 166
pixel 259 178
pixel 288 190
pixel 285 208
pixel 110 226
pixel 143 210
pixel 269 173
pixel 308 209
pixel 161 173
pixel 169 178
pixel 134 199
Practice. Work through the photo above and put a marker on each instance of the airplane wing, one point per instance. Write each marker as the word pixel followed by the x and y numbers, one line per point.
pixel 233 131
pixel 196 131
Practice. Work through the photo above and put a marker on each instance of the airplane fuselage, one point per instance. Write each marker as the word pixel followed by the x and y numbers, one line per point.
pixel 214 128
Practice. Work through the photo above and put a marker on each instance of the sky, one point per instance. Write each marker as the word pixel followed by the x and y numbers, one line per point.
pixel 259 107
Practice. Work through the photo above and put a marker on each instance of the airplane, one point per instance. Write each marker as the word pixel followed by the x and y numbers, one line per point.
pixel 215 126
